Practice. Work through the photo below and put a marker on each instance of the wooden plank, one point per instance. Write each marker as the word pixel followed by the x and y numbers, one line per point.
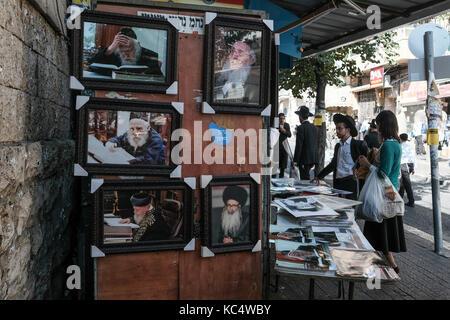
pixel 138 276
pixel 223 277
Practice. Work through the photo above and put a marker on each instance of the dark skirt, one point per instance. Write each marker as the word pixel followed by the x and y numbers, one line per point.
pixel 387 236
pixel 283 158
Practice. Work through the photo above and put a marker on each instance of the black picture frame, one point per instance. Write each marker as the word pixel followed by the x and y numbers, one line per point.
pixel 207 221
pixel 157 185
pixel 129 21
pixel 209 56
pixel 124 105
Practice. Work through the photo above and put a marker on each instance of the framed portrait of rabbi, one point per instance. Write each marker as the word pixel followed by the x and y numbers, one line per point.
pixel 143 215
pixel 122 52
pixel 237 62
pixel 230 214
pixel 127 137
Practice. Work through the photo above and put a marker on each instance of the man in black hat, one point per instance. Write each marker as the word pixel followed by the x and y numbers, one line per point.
pixel 372 137
pixel 235 222
pixel 346 154
pixel 151 223
pixel 305 155
pixel 126 50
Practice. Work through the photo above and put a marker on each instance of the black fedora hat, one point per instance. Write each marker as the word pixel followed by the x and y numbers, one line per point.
pixel 304 112
pixel 340 118
pixel 140 199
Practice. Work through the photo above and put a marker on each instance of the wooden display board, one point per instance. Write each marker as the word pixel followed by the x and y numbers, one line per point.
pixel 182 274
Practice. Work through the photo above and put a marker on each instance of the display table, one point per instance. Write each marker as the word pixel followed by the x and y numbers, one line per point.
pixel 291 222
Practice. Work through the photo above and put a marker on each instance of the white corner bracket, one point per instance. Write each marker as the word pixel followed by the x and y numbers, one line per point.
pixel 209 17
pixel 175 22
pixel 190 246
pixel 256 177
pixel 95 184
pixel 205 180
pixel 277 39
pixel 269 24
pixel 179 106
pixel 81 101
pixel 267 111
pixel 173 89
pixel 206 253
pixel 176 173
pixel 191 182
pixel 96 252
pixel 78 171
pixel 75 84
pixel 276 122
pixel 206 108
pixel 257 247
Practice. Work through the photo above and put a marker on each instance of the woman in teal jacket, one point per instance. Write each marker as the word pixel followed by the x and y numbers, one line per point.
pixel 387 236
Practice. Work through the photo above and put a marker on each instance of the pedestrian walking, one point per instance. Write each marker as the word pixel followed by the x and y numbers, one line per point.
pixel 285 132
pixel 346 154
pixel 406 168
pixel 387 236
pixel 305 155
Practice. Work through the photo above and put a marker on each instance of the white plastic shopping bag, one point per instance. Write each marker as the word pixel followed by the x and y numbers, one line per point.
pixel 380 200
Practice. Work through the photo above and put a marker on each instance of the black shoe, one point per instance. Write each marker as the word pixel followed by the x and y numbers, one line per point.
pixel 410 204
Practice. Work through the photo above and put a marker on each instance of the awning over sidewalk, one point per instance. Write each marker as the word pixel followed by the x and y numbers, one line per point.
pixel 329 24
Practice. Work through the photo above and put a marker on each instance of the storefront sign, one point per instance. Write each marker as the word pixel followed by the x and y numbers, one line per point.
pixel 185 24
pixel 376 77
pixel 416 91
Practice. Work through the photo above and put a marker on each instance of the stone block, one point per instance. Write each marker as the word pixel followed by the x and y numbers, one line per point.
pixel 12 167
pixel 13 114
pixel 11 16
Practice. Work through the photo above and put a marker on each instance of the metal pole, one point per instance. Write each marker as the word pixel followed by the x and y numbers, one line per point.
pixel 434 112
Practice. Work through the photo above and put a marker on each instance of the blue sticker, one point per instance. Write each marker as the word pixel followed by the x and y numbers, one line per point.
pixel 221 136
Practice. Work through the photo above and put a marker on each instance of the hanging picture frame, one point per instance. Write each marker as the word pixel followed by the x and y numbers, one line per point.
pixel 237 66
pixel 125 53
pixel 143 215
pixel 230 213
pixel 127 137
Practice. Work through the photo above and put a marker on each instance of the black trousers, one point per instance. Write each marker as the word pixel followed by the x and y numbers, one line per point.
pixel 348 184
pixel 304 171
pixel 405 184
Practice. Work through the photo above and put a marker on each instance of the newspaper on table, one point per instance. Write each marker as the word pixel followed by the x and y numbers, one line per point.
pixel 303 258
pixel 291 233
pixel 343 238
pixel 363 264
pixel 337 203
pixel 305 206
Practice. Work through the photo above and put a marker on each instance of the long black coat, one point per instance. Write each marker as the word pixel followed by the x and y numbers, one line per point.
pixel 357 148
pixel 283 152
pixel 306 144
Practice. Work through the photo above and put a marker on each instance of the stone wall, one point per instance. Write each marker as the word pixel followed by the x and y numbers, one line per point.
pixel 36 153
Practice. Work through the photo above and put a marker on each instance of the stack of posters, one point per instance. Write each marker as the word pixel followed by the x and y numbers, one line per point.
pixel 305 206
pixel 363 264
pixel 303 258
pixel 342 220
pixel 344 238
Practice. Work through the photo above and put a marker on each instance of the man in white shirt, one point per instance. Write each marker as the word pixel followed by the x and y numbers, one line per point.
pixel 346 153
pixel 406 168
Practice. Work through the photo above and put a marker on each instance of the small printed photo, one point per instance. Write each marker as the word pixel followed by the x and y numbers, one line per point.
pixel 230 214
pixel 237 65
pixel 140 216
pixel 124 53
pixel 128 138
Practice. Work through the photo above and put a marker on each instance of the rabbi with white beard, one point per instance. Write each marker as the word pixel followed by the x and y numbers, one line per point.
pixel 238 81
pixel 126 50
pixel 140 141
pixel 235 222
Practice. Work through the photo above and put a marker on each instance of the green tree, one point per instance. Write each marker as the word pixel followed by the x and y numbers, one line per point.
pixel 310 76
